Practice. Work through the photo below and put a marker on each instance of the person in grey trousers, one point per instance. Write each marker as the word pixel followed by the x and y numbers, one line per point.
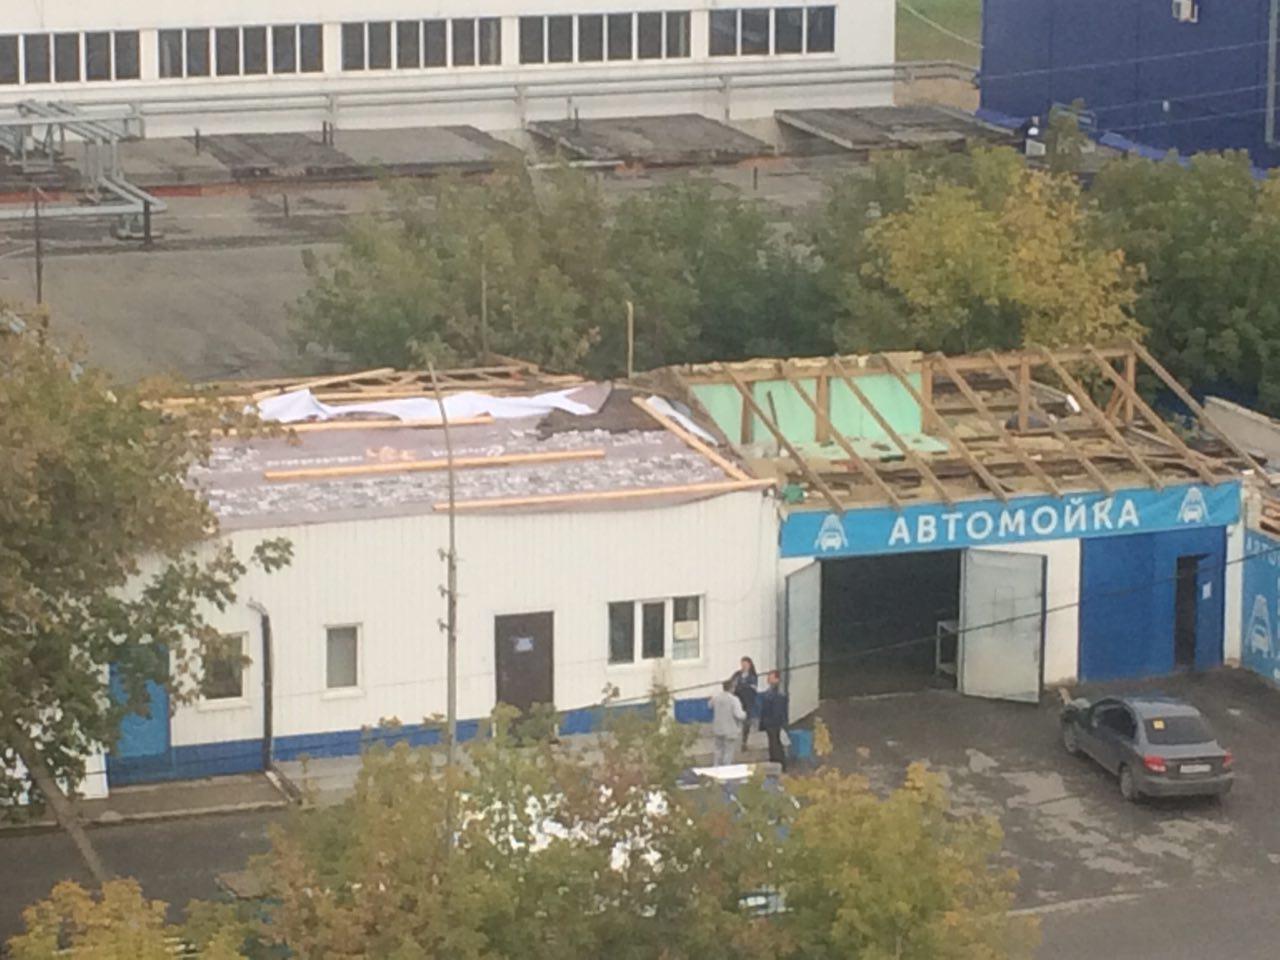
pixel 727 717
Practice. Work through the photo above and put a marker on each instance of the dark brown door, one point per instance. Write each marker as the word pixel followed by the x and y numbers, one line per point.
pixel 525 658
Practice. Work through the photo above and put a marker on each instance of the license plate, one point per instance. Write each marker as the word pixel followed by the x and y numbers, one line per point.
pixel 1196 768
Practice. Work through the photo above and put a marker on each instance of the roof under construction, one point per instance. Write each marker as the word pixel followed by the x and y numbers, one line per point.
pixel 895 429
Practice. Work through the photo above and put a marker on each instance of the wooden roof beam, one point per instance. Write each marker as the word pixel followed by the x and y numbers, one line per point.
pixel 809 473
pixel 1133 398
pixel 1059 434
pixel 1005 437
pixel 926 407
pixel 1098 417
pixel 908 451
pixel 841 440
pixel 1181 393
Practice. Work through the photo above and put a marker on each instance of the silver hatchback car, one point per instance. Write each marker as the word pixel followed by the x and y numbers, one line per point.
pixel 1156 746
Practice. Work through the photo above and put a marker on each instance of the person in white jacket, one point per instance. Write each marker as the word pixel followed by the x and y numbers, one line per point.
pixel 727 717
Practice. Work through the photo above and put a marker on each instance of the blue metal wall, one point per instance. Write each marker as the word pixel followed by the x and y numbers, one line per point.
pixel 1126 59
pixel 1127 590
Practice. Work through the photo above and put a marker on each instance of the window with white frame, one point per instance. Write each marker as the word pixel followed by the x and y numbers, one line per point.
pixel 642 630
pixel 223 668
pixel 240 51
pixel 69 57
pixel 759 31
pixel 342 657
pixel 592 38
pixel 415 44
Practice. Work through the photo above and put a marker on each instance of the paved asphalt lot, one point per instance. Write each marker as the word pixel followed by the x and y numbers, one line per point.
pixel 1169 880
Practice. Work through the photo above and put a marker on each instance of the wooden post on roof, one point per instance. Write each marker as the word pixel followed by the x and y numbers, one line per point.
pixel 1061 435
pixel 1181 393
pixel 1024 390
pixel 926 391
pixel 822 429
pixel 1099 418
pixel 833 431
pixel 809 473
pixel 927 408
pixel 1131 378
pixel 908 451
pixel 993 421
pixel 1133 398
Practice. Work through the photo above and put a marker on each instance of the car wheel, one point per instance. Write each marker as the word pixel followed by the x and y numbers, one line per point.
pixel 1128 785
pixel 1069 739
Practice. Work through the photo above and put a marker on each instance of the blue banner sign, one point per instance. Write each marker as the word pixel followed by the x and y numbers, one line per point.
pixel 986 523
pixel 1260 616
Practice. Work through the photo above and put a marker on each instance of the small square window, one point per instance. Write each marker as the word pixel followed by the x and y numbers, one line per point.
pixel 9 59
pixel 255 50
pixel 284 49
pixel 227 42
pixel 66 57
pixel 171 51
pixel 409 44
pixel 97 56
pixel 311 37
pixel 788 30
pixel 128 61
pixel 724 33
pixel 224 668
pixel 822 30
pixel 590 38
pixel 380 46
pixel 197 53
pixel 342 657
pixel 38 62
pixel 620 36
pixel 686 628
pixel 353 46
pixel 653 629
pixel 622 632
pixel 533 39
pixel 678 34
pixel 435 43
pixel 560 39
pixel 755 32
pixel 490 42
pixel 464 43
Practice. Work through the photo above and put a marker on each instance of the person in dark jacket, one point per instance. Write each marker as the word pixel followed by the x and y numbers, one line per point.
pixel 773 717
pixel 745 687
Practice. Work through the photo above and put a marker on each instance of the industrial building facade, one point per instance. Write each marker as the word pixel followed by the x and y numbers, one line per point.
pixel 1186 75
pixel 238 65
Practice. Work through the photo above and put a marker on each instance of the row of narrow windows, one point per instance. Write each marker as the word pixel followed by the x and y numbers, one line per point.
pixel 38 58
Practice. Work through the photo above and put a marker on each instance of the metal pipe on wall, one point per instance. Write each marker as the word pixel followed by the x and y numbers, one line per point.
pixel 1274 22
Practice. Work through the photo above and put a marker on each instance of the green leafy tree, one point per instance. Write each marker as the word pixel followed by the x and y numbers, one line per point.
pixel 1207 235
pixel 95 498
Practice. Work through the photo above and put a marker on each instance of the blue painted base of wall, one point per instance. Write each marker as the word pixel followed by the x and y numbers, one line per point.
pixel 245 756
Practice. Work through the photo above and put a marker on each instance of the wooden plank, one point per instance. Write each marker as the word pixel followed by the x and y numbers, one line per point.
pixel 732 469
pixel 1134 399
pixel 1023 387
pixel 318 382
pixel 1131 378
pixel 1014 359
pixel 1181 393
pixel 553 499
pixel 926 391
pixel 809 473
pixel 421 466
pixel 1100 419
pixel 975 465
pixel 994 422
pixel 1061 435
pixel 822 429
pixel 325 425
pixel 907 450
pixel 841 440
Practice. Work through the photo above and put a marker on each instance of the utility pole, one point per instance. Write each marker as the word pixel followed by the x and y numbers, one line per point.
pixel 1272 39
pixel 631 340
pixel 35 195
pixel 450 591
pixel 484 308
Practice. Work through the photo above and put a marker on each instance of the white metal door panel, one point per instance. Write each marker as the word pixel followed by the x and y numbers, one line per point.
pixel 1002 625
pixel 804 639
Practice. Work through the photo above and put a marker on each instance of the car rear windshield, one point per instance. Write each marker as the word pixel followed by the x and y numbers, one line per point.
pixel 1172 730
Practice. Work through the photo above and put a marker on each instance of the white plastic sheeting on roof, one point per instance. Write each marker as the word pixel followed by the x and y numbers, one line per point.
pixel 302 405
pixel 666 409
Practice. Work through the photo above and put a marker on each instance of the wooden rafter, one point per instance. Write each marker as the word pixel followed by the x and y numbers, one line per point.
pixel 809 473
pixel 993 421
pixel 596 496
pixel 694 443
pixel 841 440
pixel 1099 418
pixel 927 408
pixel 421 466
pixel 1181 393
pixel 1134 399
pixel 908 452
pixel 1061 435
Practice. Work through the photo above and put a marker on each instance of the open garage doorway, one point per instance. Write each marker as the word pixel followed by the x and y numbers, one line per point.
pixel 971 620
pixel 881 620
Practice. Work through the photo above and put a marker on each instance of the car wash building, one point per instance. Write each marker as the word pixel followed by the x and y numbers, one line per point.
pixel 990 523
